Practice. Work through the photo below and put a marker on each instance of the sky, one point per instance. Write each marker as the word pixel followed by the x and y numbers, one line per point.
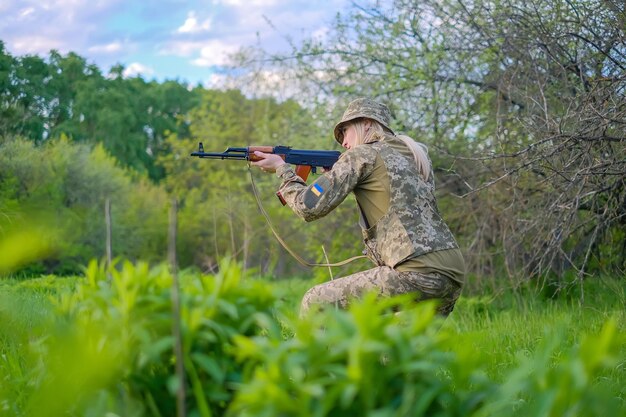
pixel 181 40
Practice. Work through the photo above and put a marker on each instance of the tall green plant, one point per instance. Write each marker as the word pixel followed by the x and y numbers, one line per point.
pixel 367 361
pixel 215 309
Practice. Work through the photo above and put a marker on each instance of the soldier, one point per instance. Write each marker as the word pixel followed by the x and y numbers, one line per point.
pixel 392 180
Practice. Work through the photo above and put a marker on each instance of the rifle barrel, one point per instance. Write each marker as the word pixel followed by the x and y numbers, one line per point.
pixel 224 155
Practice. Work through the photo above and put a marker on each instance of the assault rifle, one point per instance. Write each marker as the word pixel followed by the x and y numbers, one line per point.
pixel 306 161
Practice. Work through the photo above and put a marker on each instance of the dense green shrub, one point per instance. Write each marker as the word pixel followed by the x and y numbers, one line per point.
pixel 366 361
pixel 61 187
pixel 369 362
pixel 103 343
pixel 214 309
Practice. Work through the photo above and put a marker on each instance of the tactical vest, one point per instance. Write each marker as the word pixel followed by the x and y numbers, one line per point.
pixel 412 226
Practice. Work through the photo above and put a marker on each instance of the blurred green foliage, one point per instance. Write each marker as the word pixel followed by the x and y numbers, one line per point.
pixel 53 197
pixel 102 343
pixel 22 243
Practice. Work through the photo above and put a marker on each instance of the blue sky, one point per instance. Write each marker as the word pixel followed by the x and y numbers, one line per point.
pixel 160 39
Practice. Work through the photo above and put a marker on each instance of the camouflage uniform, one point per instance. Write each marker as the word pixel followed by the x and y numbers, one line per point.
pixel 388 282
pixel 411 226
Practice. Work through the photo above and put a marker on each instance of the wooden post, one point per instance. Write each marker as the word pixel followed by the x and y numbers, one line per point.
pixel 178 342
pixel 107 219
pixel 245 243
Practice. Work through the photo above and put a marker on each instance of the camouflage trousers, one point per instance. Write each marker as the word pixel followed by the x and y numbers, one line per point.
pixel 388 282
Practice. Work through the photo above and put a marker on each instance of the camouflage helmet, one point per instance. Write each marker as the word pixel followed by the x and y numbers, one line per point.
pixel 363 108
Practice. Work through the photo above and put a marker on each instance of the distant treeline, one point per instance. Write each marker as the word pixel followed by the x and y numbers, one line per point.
pixel 42 99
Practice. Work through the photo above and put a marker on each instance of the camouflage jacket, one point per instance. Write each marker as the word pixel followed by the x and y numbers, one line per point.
pixel 411 226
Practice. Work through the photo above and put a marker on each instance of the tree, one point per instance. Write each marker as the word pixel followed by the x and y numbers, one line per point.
pixel 24 95
pixel 63 185
pixel 41 99
pixel 524 102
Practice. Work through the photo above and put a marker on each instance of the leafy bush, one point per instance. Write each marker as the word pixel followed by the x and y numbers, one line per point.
pixel 103 343
pixel 365 361
pixel 370 362
pixel 67 184
pixel 214 309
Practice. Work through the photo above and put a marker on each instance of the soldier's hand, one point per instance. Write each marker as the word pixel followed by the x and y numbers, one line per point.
pixel 268 162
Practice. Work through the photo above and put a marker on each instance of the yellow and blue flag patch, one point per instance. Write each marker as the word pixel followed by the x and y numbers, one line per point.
pixel 317 189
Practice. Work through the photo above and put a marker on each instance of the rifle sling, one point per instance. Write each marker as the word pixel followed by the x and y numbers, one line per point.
pixel 297 257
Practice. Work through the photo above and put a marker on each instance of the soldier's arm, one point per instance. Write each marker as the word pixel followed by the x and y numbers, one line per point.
pixel 330 189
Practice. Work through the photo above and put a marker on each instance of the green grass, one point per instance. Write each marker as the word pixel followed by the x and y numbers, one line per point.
pixel 502 337
pixel 501 331
pixel 502 334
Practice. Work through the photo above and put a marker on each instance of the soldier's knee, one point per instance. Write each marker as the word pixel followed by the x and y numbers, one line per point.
pixel 319 297
pixel 305 304
pixel 310 297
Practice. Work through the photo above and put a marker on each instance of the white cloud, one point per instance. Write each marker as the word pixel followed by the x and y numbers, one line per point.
pixel 191 25
pixel 109 48
pixel 215 53
pixel 27 11
pixel 220 81
pixel 181 48
pixel 204 53
pixel 136 68
pixel 249 3
pixel 35 44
